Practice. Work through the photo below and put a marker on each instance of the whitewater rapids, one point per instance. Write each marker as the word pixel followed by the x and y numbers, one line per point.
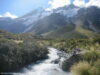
pixel 46 67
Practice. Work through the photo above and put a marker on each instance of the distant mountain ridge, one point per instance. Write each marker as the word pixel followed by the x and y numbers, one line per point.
pixel 68 21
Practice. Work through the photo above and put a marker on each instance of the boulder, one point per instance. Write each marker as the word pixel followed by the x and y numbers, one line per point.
pixel 67 63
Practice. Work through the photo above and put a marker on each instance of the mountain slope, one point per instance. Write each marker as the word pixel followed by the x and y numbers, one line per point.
pixel 11 25
pixel 52 22
pixel 90 18
pixel 69 27
pixel 66 22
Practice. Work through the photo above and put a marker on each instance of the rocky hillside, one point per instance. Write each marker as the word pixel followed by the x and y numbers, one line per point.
pixel 68 21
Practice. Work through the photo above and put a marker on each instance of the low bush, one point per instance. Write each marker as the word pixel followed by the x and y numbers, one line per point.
pixel 16 55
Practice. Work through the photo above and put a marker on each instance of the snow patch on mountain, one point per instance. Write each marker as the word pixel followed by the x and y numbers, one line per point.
pixel 29 19
pixel 69 12
pixel 34 16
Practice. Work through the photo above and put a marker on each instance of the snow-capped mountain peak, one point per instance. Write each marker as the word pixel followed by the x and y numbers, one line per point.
pixel 68 11
pixel 37 14
pixel 34 16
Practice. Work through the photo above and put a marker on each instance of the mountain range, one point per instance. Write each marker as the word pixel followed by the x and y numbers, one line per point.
pixel 68 22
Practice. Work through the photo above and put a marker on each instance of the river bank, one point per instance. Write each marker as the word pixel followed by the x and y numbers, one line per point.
pixel 49 66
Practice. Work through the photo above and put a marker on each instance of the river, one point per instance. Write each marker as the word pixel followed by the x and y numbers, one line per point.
pixel 50 66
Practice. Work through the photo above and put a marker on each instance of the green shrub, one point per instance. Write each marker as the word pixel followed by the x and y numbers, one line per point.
pixel 16 55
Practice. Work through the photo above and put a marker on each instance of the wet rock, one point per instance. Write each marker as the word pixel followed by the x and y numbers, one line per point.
pixel 66 64
pixel 56 61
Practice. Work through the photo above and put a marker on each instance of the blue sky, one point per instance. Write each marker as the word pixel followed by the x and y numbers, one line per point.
pixel 21 7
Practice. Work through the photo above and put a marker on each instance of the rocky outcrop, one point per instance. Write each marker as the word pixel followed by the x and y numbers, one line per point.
pixel 66 64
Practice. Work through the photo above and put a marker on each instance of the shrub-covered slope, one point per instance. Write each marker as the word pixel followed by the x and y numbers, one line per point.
pixel 19 50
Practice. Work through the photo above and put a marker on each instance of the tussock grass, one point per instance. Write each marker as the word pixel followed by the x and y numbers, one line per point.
pixel 85 68
pixel 82 68
pixel 18 41
pixel 93 53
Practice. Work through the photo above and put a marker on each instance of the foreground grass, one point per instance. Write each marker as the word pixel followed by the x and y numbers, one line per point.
pixel 19 50
pixel 85 68
pixel 68 45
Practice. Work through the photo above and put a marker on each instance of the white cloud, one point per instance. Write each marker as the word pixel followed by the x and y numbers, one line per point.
pixel 58 3
pixel 80 3
pixel 93 3
pixel 8 14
